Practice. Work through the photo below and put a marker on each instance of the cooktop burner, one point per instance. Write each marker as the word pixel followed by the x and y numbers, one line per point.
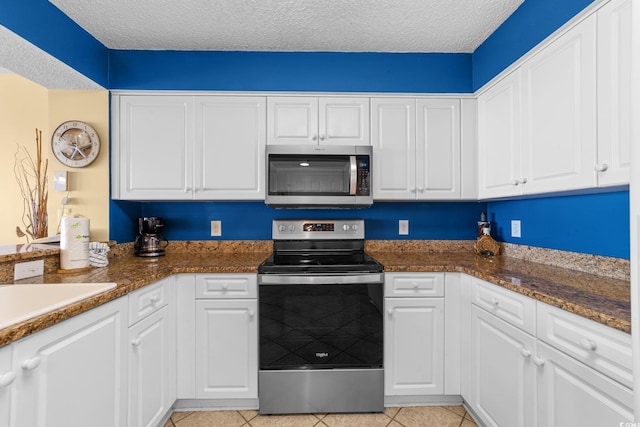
pixel 319 247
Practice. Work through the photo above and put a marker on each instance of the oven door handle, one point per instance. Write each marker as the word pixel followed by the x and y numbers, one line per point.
pixel 344 279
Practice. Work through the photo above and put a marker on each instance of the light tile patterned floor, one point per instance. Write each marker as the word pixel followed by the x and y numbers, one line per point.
pixel 413 416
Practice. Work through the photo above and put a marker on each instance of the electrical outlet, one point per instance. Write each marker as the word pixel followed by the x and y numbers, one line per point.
pixel 516 231
pixel 403 227
pixel 23 270
pixel 216 228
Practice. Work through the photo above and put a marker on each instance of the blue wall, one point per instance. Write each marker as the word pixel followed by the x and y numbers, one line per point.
pixel 531 23
pixel 252 220
pixel 286 71
pixel 595 223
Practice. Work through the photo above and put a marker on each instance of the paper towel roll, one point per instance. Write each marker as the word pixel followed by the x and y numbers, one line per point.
pixel 74 243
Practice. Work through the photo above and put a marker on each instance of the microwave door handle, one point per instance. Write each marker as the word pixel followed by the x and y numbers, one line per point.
pixel 354 176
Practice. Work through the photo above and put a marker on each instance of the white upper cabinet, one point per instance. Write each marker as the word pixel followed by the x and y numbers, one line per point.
pixel 499 139
pixel 416 148
pixel 152 151
pixel 230 132
pixel 614 93
pixel 318 120
pixel 175 147
pixel 559 113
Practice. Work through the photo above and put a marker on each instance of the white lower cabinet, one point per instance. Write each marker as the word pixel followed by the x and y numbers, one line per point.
pixel 73 374
pixel 152 355
pixel 7 378
pixel 503 383
pixel 226 338
pixel 519 380
pixel 572 394
pixel 414 334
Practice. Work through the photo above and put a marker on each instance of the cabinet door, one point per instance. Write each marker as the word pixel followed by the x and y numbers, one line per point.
pixel 414 346
pixel 343 121
pixel 393 137
pixel 7 378
pixel 438 149
pixel 559 113
pixel 152 367
pixel 571 394
pixel 499 139
pixel 502 374
pixel 292 120
pixel 226 349
pixel 230 139
pixel 614 93
pixel 73 374
pixel 153 147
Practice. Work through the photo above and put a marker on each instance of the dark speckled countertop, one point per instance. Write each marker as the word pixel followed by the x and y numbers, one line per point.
pixel 603 299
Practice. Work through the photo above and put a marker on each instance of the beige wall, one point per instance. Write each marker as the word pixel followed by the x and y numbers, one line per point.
pixel 24 106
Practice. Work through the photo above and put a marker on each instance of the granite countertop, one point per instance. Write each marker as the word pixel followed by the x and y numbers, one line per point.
pixel 599 298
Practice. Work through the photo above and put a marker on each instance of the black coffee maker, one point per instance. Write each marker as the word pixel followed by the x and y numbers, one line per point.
pixel 150 242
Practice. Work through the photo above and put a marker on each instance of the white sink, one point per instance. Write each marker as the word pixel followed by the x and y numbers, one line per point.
pixel 22 302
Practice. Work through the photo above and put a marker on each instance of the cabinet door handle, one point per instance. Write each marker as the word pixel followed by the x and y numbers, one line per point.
pixel 537 361
pixel 7 379
pixel 421 190
pixel 187 189
pixel 588 345
pixel 135 342
pixel 525 353
pixel 314 137
pixel 390 311
pixel 523 181
pixel 31 364
pixel 322 137
pixel 601 167
pixel 516 182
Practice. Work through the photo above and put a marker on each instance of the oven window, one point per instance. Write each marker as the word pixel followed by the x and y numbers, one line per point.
pixel 296 175
pixel 320 326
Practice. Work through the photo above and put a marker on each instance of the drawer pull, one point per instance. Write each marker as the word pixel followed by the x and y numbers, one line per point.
pixel 225 286
pixel 537 361
pixel 588 344
pixel 31 364
pixel 154 299
pixel 495 302
pixel 525 353
pixel 135 342
pixel 415 285
pixel 7 379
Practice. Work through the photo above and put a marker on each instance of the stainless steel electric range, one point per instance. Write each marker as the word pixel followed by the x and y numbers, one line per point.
pixel 321 317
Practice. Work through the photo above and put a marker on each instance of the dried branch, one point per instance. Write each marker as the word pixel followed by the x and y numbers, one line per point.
pixel 32 179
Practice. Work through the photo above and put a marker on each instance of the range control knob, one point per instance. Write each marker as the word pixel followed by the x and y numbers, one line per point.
pixel 346 227
pixel 292 227
pixel 354 227
pixel 282 227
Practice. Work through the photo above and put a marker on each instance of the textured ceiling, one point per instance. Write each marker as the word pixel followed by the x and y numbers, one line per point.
pixel 21 57
pixel 291 25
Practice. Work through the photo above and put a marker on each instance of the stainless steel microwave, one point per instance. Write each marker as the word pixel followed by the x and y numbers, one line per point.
pixel 316 176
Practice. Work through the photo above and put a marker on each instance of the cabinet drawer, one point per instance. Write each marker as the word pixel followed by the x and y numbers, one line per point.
pixel 511 307
pixel 147 300
pixel 605 349
pixel 226 286
pixel 414 284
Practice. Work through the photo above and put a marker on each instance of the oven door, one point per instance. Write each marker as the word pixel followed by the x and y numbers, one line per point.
pixel 321 322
